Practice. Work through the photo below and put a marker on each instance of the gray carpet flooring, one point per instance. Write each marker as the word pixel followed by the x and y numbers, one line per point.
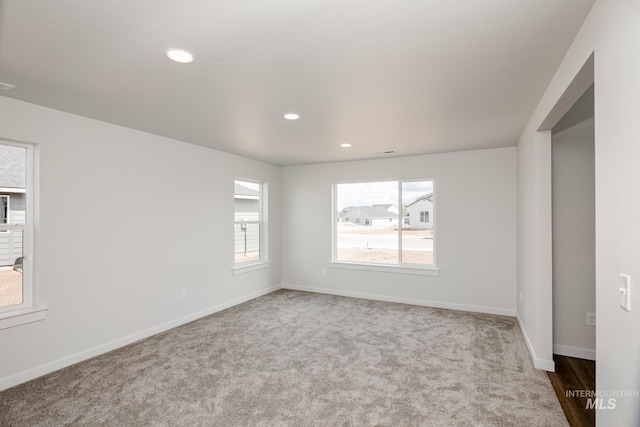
pixel 301 359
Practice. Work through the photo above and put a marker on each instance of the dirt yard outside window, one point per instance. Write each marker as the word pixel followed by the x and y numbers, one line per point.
pixel 10 287
pixel 379 256
pixel 250 256
pixel 379 245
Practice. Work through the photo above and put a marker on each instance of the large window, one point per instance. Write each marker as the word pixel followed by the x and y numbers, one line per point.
pixel 250 233
pixel 16 229
pixel 385 222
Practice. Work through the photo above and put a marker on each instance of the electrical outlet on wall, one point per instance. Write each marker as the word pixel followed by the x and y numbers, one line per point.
pixel 183 294
pixel 591 319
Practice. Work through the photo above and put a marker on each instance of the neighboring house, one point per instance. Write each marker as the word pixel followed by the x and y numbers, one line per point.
pixel 421 213
pixel 247 208
pixel 391 208
pixel 12 201
pixel 369 215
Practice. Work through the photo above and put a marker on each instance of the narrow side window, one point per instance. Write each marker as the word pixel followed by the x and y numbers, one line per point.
pixel 249 232
pixel 16 228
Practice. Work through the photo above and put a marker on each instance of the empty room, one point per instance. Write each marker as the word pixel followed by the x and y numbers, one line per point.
pixel 319 213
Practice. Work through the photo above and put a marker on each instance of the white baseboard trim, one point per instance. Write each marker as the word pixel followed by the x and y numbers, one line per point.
pixel 544 364
pixel 411 301
pixel 581 353
pixel 47 368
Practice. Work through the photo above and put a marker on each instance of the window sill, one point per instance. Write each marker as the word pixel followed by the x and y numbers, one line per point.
pixel 23 316
pixel 241 269
pixel 421 271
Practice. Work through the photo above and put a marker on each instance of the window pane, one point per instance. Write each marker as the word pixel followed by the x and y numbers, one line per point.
pixel 417 232
pixel 248 217
pixel 10 268
pixel 13 173
pixel 4 209
pixel 367 227
pixel 13 181
pixel 247 201
pixel 247 242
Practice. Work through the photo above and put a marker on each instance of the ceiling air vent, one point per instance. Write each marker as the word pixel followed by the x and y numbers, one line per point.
pixel 6 86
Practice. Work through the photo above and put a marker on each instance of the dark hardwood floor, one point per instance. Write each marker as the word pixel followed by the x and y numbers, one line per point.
pixel 573 375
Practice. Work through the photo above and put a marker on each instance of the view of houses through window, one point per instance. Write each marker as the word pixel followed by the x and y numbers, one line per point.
pixel 248 221
pixel 12 223
pixel 388 222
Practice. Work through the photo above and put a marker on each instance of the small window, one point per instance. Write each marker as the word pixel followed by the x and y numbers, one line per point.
pixel 4 210
pixel 399 223
pixel 250 232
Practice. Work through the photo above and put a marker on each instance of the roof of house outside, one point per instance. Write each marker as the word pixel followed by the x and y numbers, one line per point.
pixel 427 197
pixel 241 190
pixel 368 211
pixel 12 167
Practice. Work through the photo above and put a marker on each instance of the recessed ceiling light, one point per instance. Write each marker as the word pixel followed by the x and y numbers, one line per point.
pixel 345 145
pixel 180 55
pixel 292 116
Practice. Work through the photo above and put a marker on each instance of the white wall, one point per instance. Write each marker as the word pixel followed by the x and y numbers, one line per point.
pixel 475 222
pixel 574 240
pixel 612 30
pixel 127 220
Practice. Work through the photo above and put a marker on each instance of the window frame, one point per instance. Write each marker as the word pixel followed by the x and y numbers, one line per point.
pixel 400 267
pixel 263 260
pixel 8 207
pixel 28 311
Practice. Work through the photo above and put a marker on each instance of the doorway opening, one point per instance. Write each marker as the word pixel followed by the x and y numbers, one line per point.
pixel 573 259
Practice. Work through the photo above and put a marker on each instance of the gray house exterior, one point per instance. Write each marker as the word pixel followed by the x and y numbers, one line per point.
pixel 421 213
pixel 12 201
pixel 375 216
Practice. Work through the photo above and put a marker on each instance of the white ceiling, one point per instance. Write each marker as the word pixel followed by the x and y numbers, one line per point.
pixel 414 76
